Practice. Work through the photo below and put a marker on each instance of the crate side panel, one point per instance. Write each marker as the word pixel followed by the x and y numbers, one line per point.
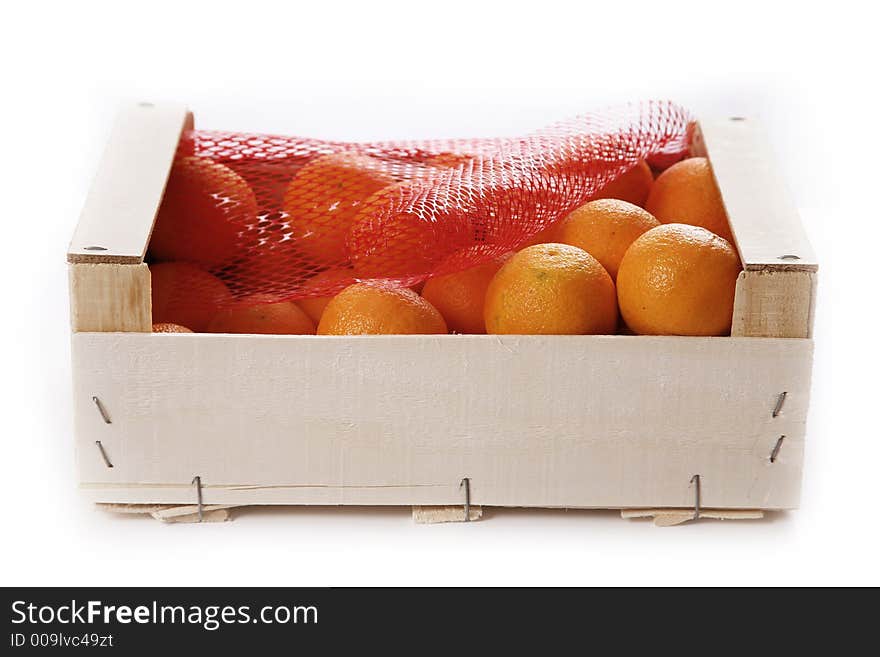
pixel 587 421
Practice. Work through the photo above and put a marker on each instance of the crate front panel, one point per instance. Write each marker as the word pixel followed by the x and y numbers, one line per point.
pixel 545 421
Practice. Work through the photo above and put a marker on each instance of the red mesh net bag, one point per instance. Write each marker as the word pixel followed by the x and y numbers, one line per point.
pixel 283 218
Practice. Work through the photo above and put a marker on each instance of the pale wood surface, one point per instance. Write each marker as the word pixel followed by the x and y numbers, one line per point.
pixel 118 215
pixel 213 513
pixel 110 297
pixel 774 304
pixel 429 515
pixel 543 421
pixel 171 513
pixel 671 517
pixel 762 216
pixel 775 295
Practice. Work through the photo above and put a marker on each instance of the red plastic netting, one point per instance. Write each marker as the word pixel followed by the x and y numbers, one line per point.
pixel 277 218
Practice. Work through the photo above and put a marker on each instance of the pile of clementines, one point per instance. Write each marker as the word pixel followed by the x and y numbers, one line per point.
pixel 650 257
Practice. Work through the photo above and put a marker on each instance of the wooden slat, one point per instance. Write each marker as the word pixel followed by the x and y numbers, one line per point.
pixel 671 517
pixel 431 515
pixel 172 514
pixel 110 297
pixel 775 294
pixel 118 215
pixel 765 223
pixel 774 304
pixel 542 421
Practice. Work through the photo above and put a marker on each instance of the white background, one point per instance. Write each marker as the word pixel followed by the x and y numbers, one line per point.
pixel 380 70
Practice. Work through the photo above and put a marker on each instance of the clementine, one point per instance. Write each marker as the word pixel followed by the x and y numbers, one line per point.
pixel 460 297
pixel 678 279
pixel 324 198
pixel 633 186
pixel 186 294
pixel 205 208
pixel 605 228
pixel 261 314
pixel 551 289
pixel 393 238
pixel 314 306
pixel 167 327
pixel 686 193
pixel 379 308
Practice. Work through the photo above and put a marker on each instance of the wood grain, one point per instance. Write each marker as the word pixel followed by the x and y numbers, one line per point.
pixel 543 421
pixel 671 517
pixel 432 515
pixel 110 297
pixel 118 214
pixel 774 304
pixel 765 223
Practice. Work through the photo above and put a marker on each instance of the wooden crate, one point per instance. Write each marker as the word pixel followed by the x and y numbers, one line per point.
pixel 664 426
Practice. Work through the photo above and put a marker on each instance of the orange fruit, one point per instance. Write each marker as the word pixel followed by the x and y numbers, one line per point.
pixel 632 186
pixel 185 294
pixel 167 327
pixel 268 268
pixel 259 314
pixel 314 306
pixel 551 289
pixel 324 198
pixel 605 228
pixel 678 279
pixel 445 159
pixel 547 235
pixel 460 296
pixel 391 238
pixel 379 308
pixel 686 193
pixel 205 207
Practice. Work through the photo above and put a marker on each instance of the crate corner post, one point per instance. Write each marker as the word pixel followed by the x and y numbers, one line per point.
pixel 109 281
pixel 775 293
